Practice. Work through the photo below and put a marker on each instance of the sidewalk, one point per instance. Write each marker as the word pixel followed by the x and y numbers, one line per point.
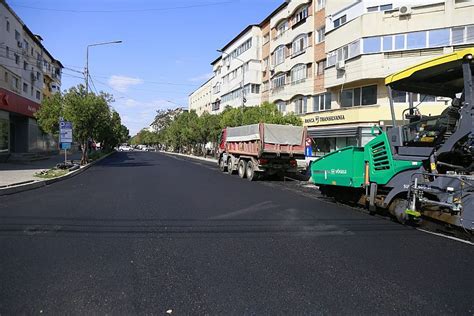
pixel 17 172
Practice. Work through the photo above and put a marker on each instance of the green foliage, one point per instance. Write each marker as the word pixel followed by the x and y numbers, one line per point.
pixel 91 116
pixel 185 131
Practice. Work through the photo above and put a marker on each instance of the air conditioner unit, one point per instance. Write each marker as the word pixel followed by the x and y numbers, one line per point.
pixel 404 10
pixel 341 65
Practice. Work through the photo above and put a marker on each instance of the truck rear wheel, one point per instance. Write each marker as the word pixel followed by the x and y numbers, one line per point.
pixel 250 172
pixel 242 169
pixel 230 166
pixel 222 165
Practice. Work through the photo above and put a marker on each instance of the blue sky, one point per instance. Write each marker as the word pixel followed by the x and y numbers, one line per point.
pixel 166 51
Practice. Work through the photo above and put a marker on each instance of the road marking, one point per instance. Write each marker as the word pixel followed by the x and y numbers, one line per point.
pixel 253 208
pixel 446 236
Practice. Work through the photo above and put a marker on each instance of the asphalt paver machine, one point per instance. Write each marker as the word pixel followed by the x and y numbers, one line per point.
pixel 420 170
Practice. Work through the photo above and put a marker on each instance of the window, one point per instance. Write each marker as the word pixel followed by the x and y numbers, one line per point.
pixel 300 15
pixel 8 26
pixel 338 22
pixel 359 96
pixel 265 86
pixel 7 49
pixel 281 106
pixel 299 44
pixel 387 43
pixel 343 53
pixel 265 63
pixel 266 38
pixel 470 34
pixel 301 105
pixel 279 55
pixel 416 40
pixel 400 41
pixel 322 102
pixel 25 65
pixel 381 8
pixel 320 35
pixel 17 35
pixel 438 37
pixel 255 88
pixel 282 27
pixel 5 77
pixel 278 81
pixel 17 59
pixel 298 74
pixel 320 68
pixel 25 45
pixel 25 87
pixel 354 49
pixel 321 4
pixel 16 83
pixel 457 35
pixel 372 45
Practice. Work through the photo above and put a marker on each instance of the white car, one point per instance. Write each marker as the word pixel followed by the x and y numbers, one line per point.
pixel 125 148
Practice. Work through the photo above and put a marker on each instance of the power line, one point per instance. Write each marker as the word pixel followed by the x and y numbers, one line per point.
pixel 124 10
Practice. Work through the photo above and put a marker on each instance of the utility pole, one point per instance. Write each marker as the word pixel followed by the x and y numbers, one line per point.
pixel 86 70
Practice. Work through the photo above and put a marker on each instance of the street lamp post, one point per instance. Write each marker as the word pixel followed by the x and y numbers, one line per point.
pixel 86 72
pixel 243 77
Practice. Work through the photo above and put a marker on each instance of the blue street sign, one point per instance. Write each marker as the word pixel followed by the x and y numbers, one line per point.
pixel 308 151
pixel 65 146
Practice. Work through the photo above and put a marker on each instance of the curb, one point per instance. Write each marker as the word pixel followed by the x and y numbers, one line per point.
pixel 41 183
pixel 189 156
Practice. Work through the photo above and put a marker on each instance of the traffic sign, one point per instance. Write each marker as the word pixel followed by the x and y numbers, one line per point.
pixel 65 132
pixel 65 146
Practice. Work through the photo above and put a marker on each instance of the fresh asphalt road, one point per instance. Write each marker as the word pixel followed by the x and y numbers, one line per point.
pixel 144 233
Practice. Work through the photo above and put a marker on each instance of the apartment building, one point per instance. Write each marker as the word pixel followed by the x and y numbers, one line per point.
pixel 28 72
pixel 293 60
pixel 367 40
pixel 200 100
pixel 238 66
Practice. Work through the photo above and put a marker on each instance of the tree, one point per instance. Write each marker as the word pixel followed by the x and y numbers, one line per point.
pixel 90 114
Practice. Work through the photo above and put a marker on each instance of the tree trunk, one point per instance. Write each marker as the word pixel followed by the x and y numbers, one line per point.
pixel 84 152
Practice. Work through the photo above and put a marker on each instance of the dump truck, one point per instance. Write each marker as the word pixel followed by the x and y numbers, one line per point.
pixel 423 170
pixel 259 150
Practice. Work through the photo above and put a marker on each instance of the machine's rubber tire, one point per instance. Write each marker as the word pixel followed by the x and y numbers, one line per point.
pixel 250 173
pixel 230 166
pixel 242 168
pixel 397 209
pixel 222 165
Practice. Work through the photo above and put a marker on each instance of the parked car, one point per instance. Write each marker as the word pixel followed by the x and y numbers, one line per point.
pixel 125 148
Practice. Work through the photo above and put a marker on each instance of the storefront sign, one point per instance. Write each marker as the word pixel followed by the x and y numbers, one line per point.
pixel 15 103
pixel 323 119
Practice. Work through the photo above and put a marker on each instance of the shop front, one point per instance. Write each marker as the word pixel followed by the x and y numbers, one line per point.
pixel 19 131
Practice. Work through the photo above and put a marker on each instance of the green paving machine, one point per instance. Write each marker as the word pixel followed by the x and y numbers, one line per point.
pixel 423 169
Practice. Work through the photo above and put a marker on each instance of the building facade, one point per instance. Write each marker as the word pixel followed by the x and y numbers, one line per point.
pixel 366 41
pixel 326 61
pixel 28 72
pixel 200 100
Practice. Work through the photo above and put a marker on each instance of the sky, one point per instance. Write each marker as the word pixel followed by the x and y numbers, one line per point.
pixel 167 47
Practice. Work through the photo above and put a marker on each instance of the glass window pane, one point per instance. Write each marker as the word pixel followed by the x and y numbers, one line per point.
pixel 369 95
pixel 416 40
pixel 470 34
pixel 399 96
pixel 327 101
pixel 427 98
pixel 400 41
pixel 439 38
pixel 372 9
pixel 387 43
pixel 316 103
pixel 372 44
pixel 386 7
pixel 356 96
pixel 354 49
pixel 457 36
pixel 346 98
